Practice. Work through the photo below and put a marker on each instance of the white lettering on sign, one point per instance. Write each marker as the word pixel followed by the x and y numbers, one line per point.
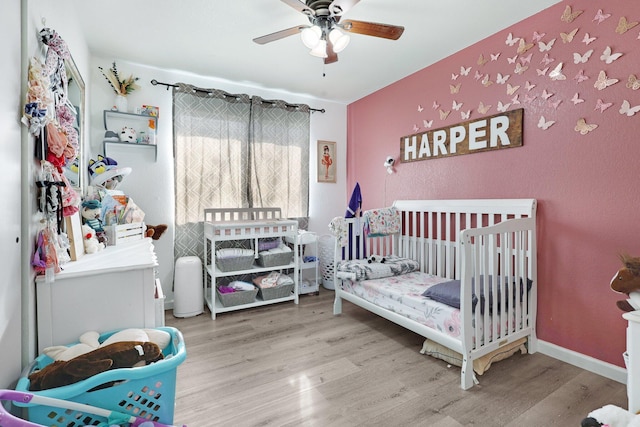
pixel 490 133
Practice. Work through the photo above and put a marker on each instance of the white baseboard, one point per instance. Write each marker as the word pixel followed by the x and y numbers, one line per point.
pixel 588 363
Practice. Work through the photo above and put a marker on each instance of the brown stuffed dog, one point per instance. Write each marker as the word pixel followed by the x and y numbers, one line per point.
pixel 627 281
pixel 155 231
pixel 123 354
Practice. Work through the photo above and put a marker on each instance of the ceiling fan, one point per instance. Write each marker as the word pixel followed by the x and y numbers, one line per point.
pixel 323 36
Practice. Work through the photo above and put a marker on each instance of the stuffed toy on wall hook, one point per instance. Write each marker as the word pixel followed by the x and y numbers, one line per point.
pixel 627 281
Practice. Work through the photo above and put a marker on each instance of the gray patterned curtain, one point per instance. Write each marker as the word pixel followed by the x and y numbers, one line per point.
pixel 233 151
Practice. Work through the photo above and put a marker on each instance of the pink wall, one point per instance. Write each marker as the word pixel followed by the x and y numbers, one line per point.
pixel 588 186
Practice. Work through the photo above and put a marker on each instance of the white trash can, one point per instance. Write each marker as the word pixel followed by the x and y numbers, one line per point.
pixel 188 294
pixel 326 247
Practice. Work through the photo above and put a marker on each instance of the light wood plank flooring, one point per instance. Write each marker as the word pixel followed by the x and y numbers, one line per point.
pixel 299 365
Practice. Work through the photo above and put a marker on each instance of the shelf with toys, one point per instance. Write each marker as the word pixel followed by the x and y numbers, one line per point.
pixel 130 129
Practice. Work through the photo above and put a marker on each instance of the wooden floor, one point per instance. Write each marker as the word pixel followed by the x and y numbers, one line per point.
pixel 299 365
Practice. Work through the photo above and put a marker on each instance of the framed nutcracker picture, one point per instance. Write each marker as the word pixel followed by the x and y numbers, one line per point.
pixel 326 161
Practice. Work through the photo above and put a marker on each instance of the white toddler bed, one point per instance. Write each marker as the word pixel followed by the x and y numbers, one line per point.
pixel 441 248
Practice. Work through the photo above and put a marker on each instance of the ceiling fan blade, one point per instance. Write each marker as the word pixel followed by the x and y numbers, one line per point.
pixel 300 6
pixel 332 56
pixel 279 34
pixel 375 29
pixel 340 7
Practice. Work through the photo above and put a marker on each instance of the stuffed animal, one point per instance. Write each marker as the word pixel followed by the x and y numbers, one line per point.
pixel 375 258
pixel 106 173
pixel 91 243
pixel 123 354
pixel 155 231
pixel 91 213
pixel 627 281
pixel 128 134
pixel 611 416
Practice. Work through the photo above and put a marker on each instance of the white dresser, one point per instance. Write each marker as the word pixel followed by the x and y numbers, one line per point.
pixel 111 289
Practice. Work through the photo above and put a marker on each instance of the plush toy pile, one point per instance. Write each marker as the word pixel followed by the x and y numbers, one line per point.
pixel 125 349
pixel 611 416
pixel 627 281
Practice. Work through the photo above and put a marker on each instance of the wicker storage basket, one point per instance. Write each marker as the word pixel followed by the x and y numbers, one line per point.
pixel 266 259
pixel 237 298
pixel 279 291
pixel 242 261
pixel 147 391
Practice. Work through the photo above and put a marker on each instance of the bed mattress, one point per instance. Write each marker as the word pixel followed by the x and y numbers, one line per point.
pixel 403 295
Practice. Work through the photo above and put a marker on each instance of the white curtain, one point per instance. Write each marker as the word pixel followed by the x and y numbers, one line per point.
pixel 233 151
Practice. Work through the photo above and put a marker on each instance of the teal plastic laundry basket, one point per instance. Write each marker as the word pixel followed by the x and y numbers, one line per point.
pixel 146 392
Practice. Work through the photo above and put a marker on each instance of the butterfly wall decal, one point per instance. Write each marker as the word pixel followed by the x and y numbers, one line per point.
pixel 624 25
pixel 588 39
pixel 486 82
pixel 545 124
pixel 427 124
pixel 569 16
pixel 482 60
pixel 511 40
pixel 546 60
pixel 601 16
pixel 555 104
pixel 483 109
pixel 582 59
pixel 601 105
pixel 537 36
pixel 465 114
pixel 513 59
pixel 478 75
pixel 545 47
pixel 415 128
pixel 603 81
pixel 627 109
pixel 455 88
pixel 420 108
pixel 464 71
pixel 609 57
pixel 529 98
pixel 529 86
pixel 495 56
pixel 633 83
pixel 546 95
pixel 515 100
pixel 556 73
pixel 456 105
pixel 512 89
pixel 435 105
pixel 502 79
pixel 583 127
pixel 581 76
pixel 502 107
pixel 454 76
pixel 568 37
pixel 576 99
pixel 520 68
pixel 444 114
pixel 523 46
pixel 526 59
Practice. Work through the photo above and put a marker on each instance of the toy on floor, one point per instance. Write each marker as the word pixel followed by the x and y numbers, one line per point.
pixel 123 354
pixel 611 416
pixel 627 281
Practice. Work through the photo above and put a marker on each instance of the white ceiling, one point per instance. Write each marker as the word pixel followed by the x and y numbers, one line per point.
pixel 214 38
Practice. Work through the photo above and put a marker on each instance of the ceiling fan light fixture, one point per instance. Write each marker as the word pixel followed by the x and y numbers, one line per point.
pixel 311 36
pixel 339 40
pixel 320 50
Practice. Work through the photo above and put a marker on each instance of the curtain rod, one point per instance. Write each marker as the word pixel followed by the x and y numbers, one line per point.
pixel 230 95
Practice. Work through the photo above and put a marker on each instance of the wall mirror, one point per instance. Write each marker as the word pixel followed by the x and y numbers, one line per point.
pixel 75 170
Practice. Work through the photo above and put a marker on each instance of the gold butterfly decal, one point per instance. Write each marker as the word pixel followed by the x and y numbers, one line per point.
pixel 520 68
pixel 455 88
pixel 603 81
pixel 568 15
pixel 583 127
pixel 523 46
pixel 486 82
pixel 568 37
pixel 512 89
pixel 545 124
pixel 482 60
pixel 483 109
pixel 624 25
pixel 633 82
pixel 444 114
pixel 556 73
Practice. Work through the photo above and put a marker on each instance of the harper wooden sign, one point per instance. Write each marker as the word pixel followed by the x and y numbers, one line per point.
pixel 495 132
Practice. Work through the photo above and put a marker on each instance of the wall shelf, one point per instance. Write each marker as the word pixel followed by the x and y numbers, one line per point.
pixel 115 120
